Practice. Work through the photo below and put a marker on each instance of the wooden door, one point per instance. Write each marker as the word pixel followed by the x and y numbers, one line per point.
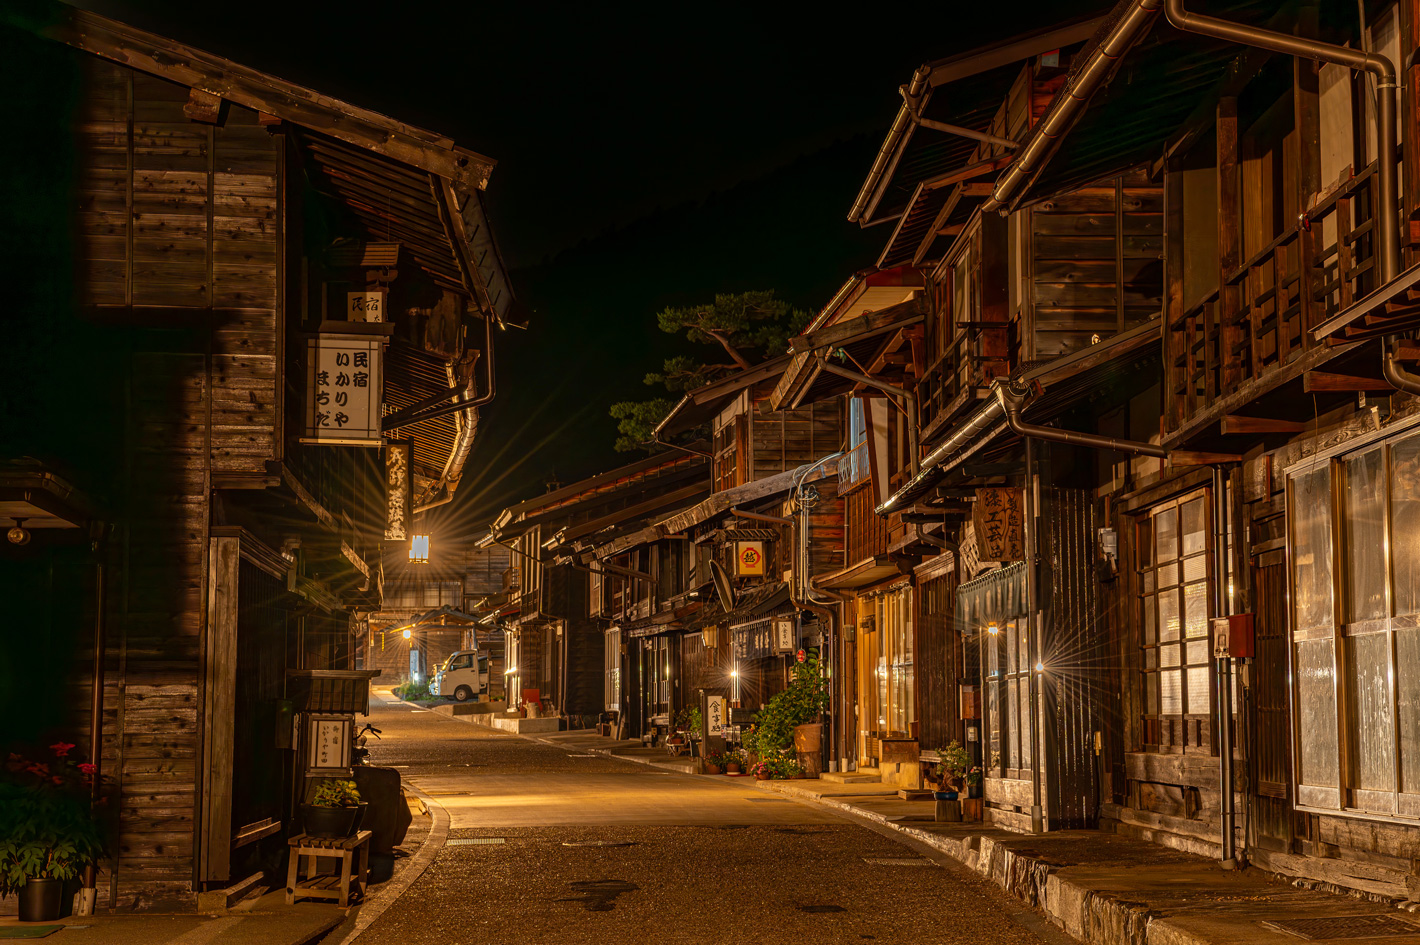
pixel 1271 761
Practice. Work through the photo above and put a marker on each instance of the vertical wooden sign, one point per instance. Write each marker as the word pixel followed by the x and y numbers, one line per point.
pixel 399 485
pixel 999 524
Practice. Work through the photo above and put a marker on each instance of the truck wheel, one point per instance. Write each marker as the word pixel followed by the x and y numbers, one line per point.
pixel 463 693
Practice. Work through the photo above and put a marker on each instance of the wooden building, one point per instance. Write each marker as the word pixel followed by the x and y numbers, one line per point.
pixel 225 224
pixel 555 645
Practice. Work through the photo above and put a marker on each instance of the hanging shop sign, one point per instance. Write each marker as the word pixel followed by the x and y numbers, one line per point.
pixel 784 641
pixel 399 491
pixel 367 306
pixel 999 524
pixel 343 390
pixel 328 742
pixel 749 559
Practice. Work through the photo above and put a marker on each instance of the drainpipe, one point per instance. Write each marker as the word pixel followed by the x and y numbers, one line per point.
pixel 911 408
pixel 799 587
pixel 1128 30
pixel 1227 803
pixel 1387 160
pixel 1033 631
pixel 951 129
pixel 1012 399
pixel 89 892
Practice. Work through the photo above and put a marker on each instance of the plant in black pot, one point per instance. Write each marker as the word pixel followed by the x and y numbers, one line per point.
pixel 334 810
pixel 48 831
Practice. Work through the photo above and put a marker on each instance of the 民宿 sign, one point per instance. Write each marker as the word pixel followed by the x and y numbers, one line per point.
pixel 999 525
pixel 367 306
pixel 343 390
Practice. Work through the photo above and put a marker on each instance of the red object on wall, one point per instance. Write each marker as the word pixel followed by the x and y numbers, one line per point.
pixel 1233 636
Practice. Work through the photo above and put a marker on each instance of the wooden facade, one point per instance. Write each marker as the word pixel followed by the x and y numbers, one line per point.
pixel 233 552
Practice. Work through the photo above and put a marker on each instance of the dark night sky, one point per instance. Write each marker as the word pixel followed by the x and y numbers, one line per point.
pixel 647 155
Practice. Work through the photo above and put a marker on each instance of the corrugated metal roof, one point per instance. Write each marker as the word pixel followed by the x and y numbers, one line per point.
pixel 412 375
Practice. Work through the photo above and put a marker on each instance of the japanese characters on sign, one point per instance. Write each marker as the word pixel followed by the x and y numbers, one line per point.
pixel 784 641
pixel 749 558
pixel 715 721
pixel 367 306
pixel 400 489
pixel 329 743
pixel 344 390
pixel 999 524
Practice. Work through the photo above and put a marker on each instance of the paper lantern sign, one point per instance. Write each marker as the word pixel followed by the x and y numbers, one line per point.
pixel 749 559
pixel 367 306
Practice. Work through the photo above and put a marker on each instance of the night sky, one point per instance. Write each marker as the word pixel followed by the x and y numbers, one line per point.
pixel 647 155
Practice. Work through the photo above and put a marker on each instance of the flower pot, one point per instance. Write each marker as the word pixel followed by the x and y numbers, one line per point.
pixel 732 767
pixel 808 738
pixel 712 769
pixel 41 900
pixel 331 823
pixel 761 777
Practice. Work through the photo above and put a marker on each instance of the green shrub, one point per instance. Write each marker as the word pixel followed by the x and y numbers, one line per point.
pixel 803 702
pixel 333 792
pixel 411 691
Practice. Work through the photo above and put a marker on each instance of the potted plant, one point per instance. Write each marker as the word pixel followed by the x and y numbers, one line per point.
pixel 733 762
pixel 688 721
pixel 953 768
pixel 334 810
pixel 47 829
pixel 714 761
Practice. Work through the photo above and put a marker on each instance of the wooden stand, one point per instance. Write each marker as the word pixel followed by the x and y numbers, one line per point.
pixel 948 812
pixel 349 851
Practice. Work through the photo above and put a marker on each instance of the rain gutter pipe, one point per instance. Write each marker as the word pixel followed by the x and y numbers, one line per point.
pixel 908 398
pixel 1057 121
pixel 405 418
pixel 946 128
pixel 885 153
pixel 800 587
pixel 1387 160
pixel 88 891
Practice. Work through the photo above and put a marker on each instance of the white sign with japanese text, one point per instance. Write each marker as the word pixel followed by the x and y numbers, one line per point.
pixel 343 390
pixel 715 718
pixel 367 306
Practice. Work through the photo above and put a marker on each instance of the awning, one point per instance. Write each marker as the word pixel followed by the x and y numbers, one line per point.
pixel 1064 381
pixel 31 492
pixel 756 605
pixel 862 336
pixel 1390 309
pixel 865 572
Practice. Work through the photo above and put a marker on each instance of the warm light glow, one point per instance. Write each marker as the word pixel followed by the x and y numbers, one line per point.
pixel 510 670
pixel 408 634
pixel 734 672
pixel 993 629
pixel 419 549
pixel 1040 667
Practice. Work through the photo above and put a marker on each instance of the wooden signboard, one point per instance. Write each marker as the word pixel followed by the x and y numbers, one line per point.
pixel 366 306
pixel 784 634
pixel 999 524
pixel 344 390
pixel 399 511
pixel 715 708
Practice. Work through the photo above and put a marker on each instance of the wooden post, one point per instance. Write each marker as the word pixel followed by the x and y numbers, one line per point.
pixel 1229 243
pixel 1307 119
pixel 1409 11
pixel 219 697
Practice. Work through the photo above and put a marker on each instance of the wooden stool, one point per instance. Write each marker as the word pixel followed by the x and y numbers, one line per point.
pixel 328 886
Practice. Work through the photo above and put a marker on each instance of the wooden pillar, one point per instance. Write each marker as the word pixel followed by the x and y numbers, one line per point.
pixel 1307 119
pixel 219 698
pixel 1410 124
pixel 1230 334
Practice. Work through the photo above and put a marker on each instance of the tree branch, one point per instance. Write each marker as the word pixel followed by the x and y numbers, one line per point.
pixel 730 349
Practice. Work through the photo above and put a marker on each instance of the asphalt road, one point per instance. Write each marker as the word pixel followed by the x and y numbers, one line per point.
pixel 595 850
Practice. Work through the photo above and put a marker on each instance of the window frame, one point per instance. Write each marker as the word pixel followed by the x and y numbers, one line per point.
pixel 1344 797
pixel 1152 719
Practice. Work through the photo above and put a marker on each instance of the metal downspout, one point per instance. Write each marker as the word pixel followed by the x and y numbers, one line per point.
pixel 464 446
pixel 88 892
pixel 1033 634
pixel 800 588
pixel 1011 402
pixel 1387 159
pixel 950 129
pixel 1057 121
pixel 1223 667
pixel 914 451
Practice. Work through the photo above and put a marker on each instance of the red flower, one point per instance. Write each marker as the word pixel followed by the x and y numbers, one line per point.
pixel 39 768
pixel 88 768
pixel 60 749
pixel 57 779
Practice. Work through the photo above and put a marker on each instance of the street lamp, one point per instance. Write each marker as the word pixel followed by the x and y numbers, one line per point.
pixel 419 549
pixel 408 634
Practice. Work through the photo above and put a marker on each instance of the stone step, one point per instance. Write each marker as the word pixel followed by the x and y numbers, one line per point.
pixel 851 777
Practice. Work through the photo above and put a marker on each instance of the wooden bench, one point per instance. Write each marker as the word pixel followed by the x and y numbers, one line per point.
pixel 348 850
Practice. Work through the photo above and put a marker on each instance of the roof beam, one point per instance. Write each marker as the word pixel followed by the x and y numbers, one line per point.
pixel 194 68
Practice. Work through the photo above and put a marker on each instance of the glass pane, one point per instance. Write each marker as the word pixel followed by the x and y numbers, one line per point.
pixel 1373 748
pixel 1023 639
pixel 1199 652
pixel 1146 543
pixel 1168 615
pixel 1199 697
pixel 1148 582
pixel 1311 548
pixel 1405 524
pixel 1171 693
pixel 1365 536
pixel 1151 693
pixel 993 723
pixel 1166 528
pixel 1168 574
pixel 1151 658
pixel 1151 605
pixel 1195 608
pixel 1012 695
pixel 1316 712
pixel 1195 568
pixel 1023 720
pixel 1195 536
pixel 1407 658
pixel 1010 634
pixel 1169 654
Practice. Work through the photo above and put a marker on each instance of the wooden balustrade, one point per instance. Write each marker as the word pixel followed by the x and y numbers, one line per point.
pixel 1275 299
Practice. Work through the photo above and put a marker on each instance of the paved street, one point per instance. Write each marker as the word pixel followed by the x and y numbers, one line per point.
pixel 600 850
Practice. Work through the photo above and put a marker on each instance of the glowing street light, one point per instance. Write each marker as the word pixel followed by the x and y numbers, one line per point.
pixel 419 549
pixel 408 634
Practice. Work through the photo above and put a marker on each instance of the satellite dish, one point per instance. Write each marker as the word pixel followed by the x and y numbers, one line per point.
pixel 723 587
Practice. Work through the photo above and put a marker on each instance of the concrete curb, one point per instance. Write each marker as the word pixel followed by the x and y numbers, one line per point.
pixel 389 893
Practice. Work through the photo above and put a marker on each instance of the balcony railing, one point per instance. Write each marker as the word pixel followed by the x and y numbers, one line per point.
pixel 1263 318
pixel 977 355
